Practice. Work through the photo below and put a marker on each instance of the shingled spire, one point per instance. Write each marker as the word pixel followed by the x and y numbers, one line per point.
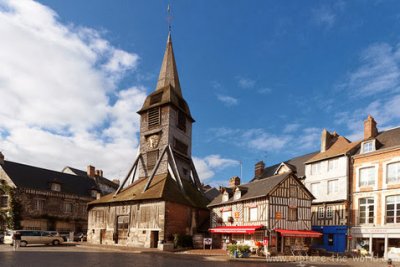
pixel 169 73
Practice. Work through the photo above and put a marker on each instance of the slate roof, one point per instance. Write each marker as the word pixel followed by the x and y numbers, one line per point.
pixel 162 187
pixel 387 139
pixel 255 189
pixel 100 179
pixel 30 177
pixel 341 146
pixel 296 163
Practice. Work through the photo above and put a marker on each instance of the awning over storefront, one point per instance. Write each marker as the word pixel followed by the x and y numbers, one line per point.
pixel 298 233
pixel 248 229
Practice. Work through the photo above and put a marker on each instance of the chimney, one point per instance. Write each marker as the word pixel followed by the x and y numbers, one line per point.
pixel 234 181
pixel 259 168
pixel 326 139
pixel 370 130
pixel 91 171
pixel 1 158
pixel 116 181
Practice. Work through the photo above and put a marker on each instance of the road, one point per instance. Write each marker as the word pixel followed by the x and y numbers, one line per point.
pixel 49 256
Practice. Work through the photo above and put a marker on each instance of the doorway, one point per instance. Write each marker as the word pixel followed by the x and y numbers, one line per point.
pixel 122 229
pixel 378 247
pixel 154 239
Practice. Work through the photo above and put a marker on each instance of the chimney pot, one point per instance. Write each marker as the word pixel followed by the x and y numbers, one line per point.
pixel 234 181
pixel 259 168
pixel 370 129
pixel 91 171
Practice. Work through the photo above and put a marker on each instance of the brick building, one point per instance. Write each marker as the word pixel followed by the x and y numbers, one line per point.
pixel 161 196
pixel 376 191
pixel 39 199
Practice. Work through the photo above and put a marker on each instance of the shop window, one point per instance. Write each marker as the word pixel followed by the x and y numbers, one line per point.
pixel 366 210
pixel 321 212
pixel 393 172
pixel 253 214
pixel 330 239
pixel 393 209
pixel 367 176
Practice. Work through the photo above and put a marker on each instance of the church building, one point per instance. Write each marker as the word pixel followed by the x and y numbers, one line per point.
pixel 161 196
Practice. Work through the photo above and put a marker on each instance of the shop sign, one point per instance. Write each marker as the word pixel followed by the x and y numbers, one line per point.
pixel 236 214
pixel 278 215
pixel 207 241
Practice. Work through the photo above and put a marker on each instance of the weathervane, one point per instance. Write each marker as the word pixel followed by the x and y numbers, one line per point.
pixel 169 17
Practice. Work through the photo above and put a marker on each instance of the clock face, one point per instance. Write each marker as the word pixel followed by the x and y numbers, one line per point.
pixel 152 141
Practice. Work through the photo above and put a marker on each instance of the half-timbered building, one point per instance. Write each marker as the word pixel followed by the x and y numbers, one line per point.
pixel 161 195
pixel 275 208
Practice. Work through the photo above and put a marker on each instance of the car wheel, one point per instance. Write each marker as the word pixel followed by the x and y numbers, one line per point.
pixel 56 242
pixel 24 243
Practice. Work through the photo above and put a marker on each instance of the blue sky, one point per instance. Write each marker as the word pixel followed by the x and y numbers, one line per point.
pixel 262 78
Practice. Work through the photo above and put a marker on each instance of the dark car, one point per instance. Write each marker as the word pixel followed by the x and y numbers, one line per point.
pixel 80 237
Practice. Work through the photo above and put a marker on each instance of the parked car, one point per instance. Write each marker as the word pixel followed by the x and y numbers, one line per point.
pixel 34 237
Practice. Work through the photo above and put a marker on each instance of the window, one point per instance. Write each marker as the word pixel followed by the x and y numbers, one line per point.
pixel 39 204
pixel 367 176
pixel 333 164
pixel 333 186
pixel 237 194
pixel 152 157
pixel 367 147
pixel 366 209
pixel 3 199
pixel 329 212
pixel 181 120
pixel 181 147
pixel 226 215
pixel 68 207
pixel 316 168
pixel 393 172
pixel 393 209
pixel 56 187
pixel 153 117
pixel 315 189
pixel 292 216
pixel 321 212
pixel 225 196
pixel 253 214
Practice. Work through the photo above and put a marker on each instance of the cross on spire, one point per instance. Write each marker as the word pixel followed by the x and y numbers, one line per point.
pixel 169 18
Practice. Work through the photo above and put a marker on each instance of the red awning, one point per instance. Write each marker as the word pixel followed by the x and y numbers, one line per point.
pixel 248 229
pixel 299 233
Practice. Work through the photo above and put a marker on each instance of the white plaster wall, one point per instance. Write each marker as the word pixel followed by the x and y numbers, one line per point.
pixel 340 173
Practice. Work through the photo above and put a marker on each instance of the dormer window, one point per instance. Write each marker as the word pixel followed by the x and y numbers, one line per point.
pixel 238 194
pixel 225 196
pixel 93 193
pixel 368 146
pixel 55 187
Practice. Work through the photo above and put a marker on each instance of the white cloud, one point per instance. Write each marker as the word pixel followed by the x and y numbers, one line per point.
pixel 60 103
pixel 246 83
pixel 324 16
pixel 228 100
pixel 207 166
pixel 264 91
pixel 291 127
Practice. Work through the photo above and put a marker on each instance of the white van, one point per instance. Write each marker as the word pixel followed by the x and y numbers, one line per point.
pixel 34 237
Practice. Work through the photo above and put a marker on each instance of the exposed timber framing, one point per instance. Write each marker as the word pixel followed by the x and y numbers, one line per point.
pixel 133 169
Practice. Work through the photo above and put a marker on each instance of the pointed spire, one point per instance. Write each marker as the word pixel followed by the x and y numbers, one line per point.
pixel 168 73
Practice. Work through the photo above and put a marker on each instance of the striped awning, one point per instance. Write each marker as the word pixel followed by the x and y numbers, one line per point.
pixel 298 233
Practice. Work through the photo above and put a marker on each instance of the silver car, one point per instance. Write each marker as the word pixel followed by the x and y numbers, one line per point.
pixel 34 237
